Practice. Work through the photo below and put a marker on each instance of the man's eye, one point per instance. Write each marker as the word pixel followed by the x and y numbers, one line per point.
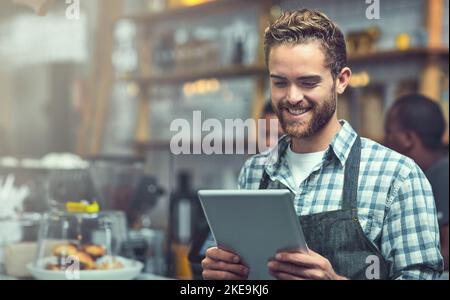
pixel 280 83
pixel 309 84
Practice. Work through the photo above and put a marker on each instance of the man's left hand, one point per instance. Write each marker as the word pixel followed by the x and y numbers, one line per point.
pixel 302 266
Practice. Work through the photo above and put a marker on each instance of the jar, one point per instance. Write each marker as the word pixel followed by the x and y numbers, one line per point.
pixel 18 244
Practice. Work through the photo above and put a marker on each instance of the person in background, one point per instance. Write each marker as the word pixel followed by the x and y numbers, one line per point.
pixel 414 127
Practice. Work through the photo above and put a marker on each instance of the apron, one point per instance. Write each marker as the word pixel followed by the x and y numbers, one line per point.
pixel 338 236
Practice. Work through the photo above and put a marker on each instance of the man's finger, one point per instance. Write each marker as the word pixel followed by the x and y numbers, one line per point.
pixel 219 254
pixel 285 276
pixel 237 269
pixel 295 270
pixel 300 259
pixel 220 275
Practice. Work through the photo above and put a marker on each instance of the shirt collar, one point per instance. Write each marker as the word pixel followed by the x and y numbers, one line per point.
pixel 339 148
pixel 343 141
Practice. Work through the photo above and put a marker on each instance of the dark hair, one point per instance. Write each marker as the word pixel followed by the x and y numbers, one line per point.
pixel 423 116
pixel 268 109
pixel 305 25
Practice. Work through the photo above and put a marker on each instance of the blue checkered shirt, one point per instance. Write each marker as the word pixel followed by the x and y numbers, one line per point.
pixel 396 207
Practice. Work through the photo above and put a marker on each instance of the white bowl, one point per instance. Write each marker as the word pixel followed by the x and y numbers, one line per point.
pixel 131 270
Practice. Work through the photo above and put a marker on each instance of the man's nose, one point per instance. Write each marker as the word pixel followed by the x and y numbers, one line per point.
pixel 294 95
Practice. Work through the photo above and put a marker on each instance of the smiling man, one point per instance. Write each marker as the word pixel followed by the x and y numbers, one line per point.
pixel 367 212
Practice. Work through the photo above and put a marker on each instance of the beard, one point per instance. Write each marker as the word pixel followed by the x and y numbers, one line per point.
pixel 320 115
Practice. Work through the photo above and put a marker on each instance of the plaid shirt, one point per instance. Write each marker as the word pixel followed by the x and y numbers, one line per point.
pixel 396 207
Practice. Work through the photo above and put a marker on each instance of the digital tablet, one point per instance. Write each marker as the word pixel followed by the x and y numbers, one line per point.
pixel 254 224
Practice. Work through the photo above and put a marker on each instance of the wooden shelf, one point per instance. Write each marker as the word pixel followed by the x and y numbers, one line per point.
pixel 236 71
pixel 165 145
pixel 189 12
pixel 152 145
pixel 398 54
pixel 179 77
pixel 37 168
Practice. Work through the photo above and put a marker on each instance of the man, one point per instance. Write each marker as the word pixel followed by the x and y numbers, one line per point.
pixel 366 211
pixel 414 127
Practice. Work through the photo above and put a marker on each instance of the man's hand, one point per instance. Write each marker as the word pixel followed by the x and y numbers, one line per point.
pixel 302 266
pixel 223 265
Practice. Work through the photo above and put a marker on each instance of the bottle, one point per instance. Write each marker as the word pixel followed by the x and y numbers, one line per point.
pixel 238 55
pixel 183 209
pixel 164 52
pixel 186 217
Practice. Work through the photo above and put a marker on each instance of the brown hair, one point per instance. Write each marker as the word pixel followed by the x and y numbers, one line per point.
pixel 302 26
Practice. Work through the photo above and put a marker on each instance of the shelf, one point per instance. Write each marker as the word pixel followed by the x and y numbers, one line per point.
pixel 152 145
pixel 189 12
pixel 37 168
pixel 179 77
pixel 398 54
pixel 123 159
pixel 236 71
pixel 165 145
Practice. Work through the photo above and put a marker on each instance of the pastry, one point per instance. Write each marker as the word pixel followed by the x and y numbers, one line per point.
pixel 94 251
pixel 65 250
pixel 115 264
pixel 86 261
pixel 53 267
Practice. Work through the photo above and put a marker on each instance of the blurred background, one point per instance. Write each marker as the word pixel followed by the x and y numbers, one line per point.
pixel 88 90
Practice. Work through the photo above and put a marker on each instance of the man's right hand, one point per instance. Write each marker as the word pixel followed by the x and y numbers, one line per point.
pixel 219 264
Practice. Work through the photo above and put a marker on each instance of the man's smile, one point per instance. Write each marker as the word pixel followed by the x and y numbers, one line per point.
pixel 297 113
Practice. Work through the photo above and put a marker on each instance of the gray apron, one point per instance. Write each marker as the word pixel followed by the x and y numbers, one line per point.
pixel 338 236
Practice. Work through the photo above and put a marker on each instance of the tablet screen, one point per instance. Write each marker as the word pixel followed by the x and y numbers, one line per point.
pixel 254 224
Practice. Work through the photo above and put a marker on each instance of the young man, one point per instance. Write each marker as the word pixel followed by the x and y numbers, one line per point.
pixel 366 211
pixel 414 127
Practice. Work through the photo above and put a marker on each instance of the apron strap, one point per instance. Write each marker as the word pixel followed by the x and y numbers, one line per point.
pixel 264 183
pixel 351 174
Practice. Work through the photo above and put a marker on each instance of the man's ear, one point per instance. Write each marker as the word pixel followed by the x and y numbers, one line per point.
pixel 409 139
pixel 414 138
pixel 343 79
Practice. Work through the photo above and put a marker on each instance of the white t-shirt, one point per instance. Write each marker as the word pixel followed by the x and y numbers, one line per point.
pixel 302 164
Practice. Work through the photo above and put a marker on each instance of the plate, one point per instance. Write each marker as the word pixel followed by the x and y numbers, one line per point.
pixel 131 270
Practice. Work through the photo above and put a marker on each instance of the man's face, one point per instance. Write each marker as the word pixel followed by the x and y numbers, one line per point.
pixel 302 89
